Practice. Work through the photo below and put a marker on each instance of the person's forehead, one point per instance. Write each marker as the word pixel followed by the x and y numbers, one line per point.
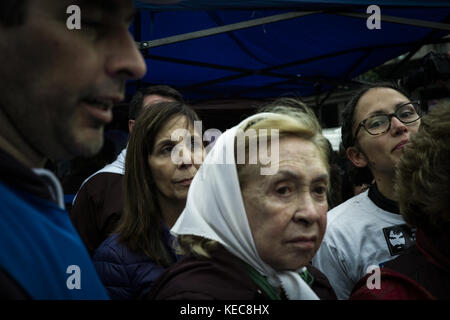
pixel 289 145
pixel 295 152
pixel 378 100
pixel 156 98
pixel 177 122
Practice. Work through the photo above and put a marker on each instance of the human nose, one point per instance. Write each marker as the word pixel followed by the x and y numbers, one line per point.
pixel 306 212
pixel 186 158
pixel 397 127
pixel 124 60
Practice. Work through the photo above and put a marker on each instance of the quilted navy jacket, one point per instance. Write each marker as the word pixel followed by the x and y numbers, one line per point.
pixel 124 273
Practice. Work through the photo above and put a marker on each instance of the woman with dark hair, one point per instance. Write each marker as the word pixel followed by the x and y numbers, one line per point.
pixel 377 123
pixel 423 191
pixel 158 171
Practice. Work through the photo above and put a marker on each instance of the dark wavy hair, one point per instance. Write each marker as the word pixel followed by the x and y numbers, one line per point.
pixel 423 174
pixel 140 226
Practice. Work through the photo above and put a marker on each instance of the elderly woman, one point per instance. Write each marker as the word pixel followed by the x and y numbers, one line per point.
pixel 158 172
pixel 255 215
pixel 423 190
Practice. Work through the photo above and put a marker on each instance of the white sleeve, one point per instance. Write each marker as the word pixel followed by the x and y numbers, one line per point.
pixel 332 263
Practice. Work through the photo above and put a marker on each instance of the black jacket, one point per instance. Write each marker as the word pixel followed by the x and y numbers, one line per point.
pixel 98 208
pixel 222 277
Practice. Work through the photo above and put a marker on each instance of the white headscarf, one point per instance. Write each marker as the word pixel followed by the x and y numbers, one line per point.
pixel 215 210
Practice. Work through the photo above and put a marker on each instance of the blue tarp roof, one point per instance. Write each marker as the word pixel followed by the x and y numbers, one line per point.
pixel 235 4
pixel 302 55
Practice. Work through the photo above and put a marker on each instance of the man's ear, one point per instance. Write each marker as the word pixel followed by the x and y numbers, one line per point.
pixel 357 157
pixel 130 125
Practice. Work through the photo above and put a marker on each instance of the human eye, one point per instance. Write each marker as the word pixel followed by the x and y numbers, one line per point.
pixel 283 189
pixel 92 22
pixel 93 28
pixel 166 148
pixel 95 21
pixel 376 122
pixel 92 17
pixel 320 190
pixel 406 112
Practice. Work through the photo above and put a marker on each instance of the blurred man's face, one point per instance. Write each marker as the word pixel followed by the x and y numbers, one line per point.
pixel 58 86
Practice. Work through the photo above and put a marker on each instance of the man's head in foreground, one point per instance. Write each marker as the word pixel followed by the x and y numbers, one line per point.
pixel 58 86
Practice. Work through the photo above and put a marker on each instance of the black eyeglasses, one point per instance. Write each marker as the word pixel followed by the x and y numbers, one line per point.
pixel 379 124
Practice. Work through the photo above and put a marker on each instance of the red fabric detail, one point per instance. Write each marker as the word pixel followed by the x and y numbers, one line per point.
pixel 393 286
pixel 430 252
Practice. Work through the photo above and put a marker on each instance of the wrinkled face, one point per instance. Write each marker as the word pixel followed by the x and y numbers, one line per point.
pixel 58 86
pixel 173 180
pixel 381 153
pixel 287 211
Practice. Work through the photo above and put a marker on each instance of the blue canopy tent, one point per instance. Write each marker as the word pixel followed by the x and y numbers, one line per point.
pixel 249 49
pixel 265 49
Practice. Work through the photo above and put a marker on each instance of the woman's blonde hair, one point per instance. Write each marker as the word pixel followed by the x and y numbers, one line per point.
pixel 288 120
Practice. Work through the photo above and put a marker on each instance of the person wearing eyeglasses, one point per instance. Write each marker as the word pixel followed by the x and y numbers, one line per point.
pixel 422 188
pixel 368 230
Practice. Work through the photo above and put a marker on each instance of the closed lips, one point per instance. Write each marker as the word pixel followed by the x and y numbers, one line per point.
pixel 400 145
pixel 103 105
pixel 184 180
pixel 303 239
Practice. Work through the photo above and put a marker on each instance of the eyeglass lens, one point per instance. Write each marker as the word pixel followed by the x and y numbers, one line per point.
pixel 379 123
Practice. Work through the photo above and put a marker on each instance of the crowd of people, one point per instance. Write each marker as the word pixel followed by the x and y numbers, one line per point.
pixel 261 215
